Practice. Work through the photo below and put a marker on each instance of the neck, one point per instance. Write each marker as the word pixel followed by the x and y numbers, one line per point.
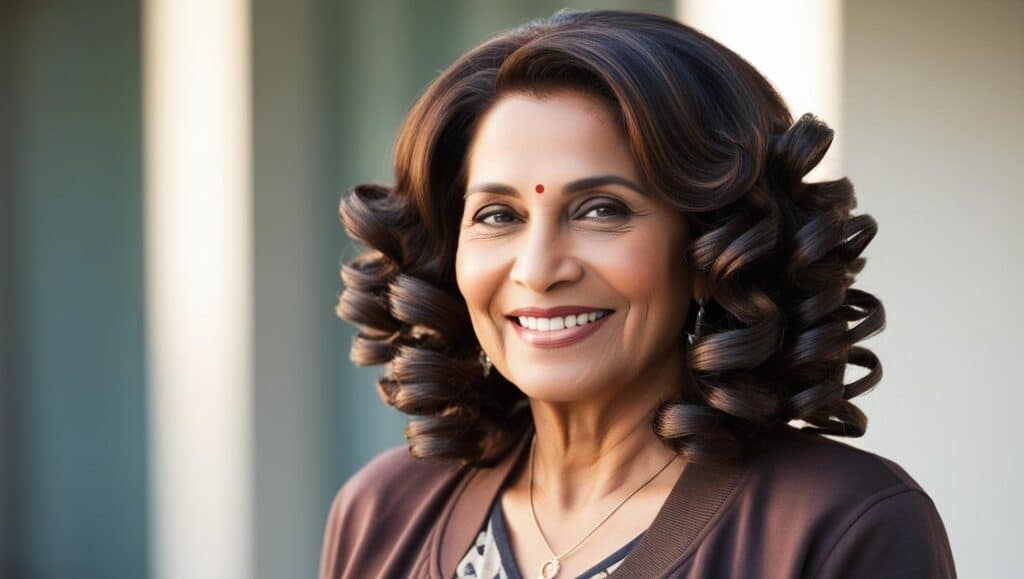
pixel 590 453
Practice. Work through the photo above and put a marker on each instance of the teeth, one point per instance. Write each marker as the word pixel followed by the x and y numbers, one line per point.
pixel 571 321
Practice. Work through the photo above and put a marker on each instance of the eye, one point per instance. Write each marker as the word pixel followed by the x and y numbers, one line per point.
pixel 608 211
pixel 501 215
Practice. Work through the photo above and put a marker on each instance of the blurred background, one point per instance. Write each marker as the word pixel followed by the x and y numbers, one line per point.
pixel 176 398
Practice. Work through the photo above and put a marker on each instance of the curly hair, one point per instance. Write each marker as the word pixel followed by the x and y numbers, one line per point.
pixel 711 136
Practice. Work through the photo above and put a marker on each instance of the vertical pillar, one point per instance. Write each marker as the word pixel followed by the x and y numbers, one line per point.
pixel 796 44
pixel 198 253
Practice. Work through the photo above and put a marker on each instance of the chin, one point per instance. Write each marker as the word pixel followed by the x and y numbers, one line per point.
pixel 557 387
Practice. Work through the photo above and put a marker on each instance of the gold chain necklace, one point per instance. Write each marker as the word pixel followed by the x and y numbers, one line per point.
pixel 551 567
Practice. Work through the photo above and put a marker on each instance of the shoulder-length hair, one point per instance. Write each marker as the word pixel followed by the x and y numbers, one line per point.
pixel 710 135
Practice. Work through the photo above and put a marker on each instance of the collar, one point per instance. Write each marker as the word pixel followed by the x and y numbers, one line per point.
pixel 693 503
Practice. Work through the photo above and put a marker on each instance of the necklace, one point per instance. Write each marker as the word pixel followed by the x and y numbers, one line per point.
pixel 551 567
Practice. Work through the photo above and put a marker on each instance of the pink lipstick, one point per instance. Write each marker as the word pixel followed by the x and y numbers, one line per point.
pixel 558 338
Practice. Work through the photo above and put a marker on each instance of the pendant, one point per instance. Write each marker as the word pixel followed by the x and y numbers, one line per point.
pixel 549 569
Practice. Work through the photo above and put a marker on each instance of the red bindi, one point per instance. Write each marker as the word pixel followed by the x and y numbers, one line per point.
pixel 539 188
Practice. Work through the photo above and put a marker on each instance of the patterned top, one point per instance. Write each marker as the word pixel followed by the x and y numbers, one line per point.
pixel 491 557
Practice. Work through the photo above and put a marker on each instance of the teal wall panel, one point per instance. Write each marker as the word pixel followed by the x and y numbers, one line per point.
pixel 77 479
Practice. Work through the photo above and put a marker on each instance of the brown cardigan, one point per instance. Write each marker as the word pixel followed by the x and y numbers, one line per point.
pixel 805 506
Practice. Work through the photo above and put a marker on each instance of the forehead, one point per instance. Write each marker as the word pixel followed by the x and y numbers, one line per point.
pixel 556 136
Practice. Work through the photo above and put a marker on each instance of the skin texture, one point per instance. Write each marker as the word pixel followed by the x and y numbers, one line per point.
pixel 607 247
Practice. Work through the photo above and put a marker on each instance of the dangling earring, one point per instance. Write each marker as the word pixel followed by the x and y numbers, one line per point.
pixel 691 338
pixel 485 361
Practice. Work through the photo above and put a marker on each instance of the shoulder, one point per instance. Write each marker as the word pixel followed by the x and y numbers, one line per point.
pixel 388 494
pixel 391 474
pixel 828 468
pixel 846 507
pixel 390 470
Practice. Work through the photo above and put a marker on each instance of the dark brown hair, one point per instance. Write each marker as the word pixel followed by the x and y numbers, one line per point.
pixel 711 136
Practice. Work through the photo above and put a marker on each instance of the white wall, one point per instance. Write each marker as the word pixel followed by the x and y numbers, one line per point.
pixel 933 118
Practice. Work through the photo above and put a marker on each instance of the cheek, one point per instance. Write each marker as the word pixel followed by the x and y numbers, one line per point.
pixel 650 277
pixel 477 276
pixel 640 269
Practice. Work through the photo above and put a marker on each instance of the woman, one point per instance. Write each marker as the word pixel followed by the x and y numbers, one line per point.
pixel 604 292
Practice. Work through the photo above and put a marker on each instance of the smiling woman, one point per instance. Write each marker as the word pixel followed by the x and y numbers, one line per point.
pixel 604 291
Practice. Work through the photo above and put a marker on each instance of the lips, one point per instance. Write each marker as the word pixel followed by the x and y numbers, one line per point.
pixel 555 311
pixel 559 338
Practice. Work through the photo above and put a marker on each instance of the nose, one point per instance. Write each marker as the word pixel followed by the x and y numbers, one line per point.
pixel 545 258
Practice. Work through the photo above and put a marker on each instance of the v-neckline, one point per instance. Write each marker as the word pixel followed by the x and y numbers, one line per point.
pixel 698 494
pixel 499 530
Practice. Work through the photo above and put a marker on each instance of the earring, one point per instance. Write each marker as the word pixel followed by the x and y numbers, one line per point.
pixel 691 338
pixel 485 361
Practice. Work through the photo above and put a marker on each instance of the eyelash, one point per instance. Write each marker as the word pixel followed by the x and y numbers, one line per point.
pixel 618 207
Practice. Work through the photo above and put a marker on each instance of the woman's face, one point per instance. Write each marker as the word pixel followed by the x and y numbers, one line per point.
pixel 535 234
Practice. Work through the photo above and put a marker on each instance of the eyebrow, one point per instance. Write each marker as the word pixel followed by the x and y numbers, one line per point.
pixel 570 188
